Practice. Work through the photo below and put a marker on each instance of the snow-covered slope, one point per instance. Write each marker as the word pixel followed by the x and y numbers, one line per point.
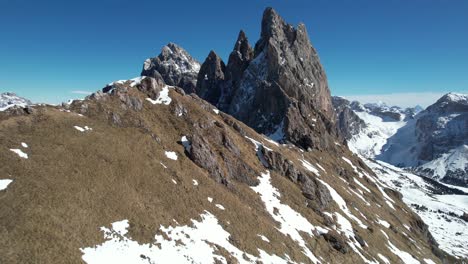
pixel 432 142
pixel 435 142
pixel 380 123
pixel 370 140
pixel 442 207
pixel 8 100
pixel 451 164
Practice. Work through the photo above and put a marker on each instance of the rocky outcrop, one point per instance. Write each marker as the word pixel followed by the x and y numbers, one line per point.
pixel 347 122
pixel 317 195
pixel 279 89
pixel 175 66
pixel 224 167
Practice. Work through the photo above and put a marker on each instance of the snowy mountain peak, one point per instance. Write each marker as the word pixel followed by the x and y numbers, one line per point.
pixel 450 103
pixel 456 97
pixel 9 99
pixel 175 66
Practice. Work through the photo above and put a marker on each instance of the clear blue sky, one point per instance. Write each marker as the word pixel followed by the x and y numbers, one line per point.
pixel 50 48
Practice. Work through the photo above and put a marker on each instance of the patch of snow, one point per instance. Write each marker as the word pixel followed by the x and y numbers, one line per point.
pixel 342 204
pixel 20 153
pixel 318 165
pixel 163 165
pixel 291 222
pixel 136 81
pixel 403 255
pixel 197 243
pixel 271 141
pixel 309 167
pixel 351 164
pixel 258 149
pixel 429 261
pixel 194 182
pixel 264 238
pixel 171 155
pixel 186 143
pixel 4 183
pixel 24 145
pixel 361 185
pixel 383 258
pixel 345 227
pixel 210 199
pixel 174 181
pixel 384 223
pixel 216 111
pixel 220 207
pixel 81 129
pixel 163 97
pixel 360 197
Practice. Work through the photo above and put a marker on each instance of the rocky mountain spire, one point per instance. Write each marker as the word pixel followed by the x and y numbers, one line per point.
pixel 211 78
pixel 279 89
pixel 175 66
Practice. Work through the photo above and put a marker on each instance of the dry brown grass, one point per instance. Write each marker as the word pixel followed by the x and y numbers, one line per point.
pixel 74 182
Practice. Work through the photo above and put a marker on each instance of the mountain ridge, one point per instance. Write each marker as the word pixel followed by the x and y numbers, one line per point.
pixel 164 174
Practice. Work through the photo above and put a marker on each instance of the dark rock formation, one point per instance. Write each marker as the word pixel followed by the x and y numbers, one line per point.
pixel 239 60
pixel 223 167
pixel 280 89
pixel 175 66
pixel 211 78
pixel 348 123
pixel 316 193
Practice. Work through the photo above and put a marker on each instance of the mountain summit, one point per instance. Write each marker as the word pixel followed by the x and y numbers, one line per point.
pixel 175 66
pixel 144 171
pixel 279 88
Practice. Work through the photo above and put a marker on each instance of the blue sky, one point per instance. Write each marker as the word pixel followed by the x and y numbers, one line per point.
pixel 48 49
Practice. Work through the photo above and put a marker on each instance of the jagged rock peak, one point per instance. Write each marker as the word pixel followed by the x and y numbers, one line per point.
pixel 211 78
pixel 279 88
pixel 175 66
pixel 286 73
pixel 242 47
pixel 272 23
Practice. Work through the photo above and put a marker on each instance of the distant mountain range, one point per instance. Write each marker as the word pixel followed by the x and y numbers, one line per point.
pixel 432 142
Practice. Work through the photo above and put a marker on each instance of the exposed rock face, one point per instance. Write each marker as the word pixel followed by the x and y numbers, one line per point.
pixel 175 66
pixel 211 78
pixel 348 123
pixel 280 89
pixel 239 60
pixel 317 195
